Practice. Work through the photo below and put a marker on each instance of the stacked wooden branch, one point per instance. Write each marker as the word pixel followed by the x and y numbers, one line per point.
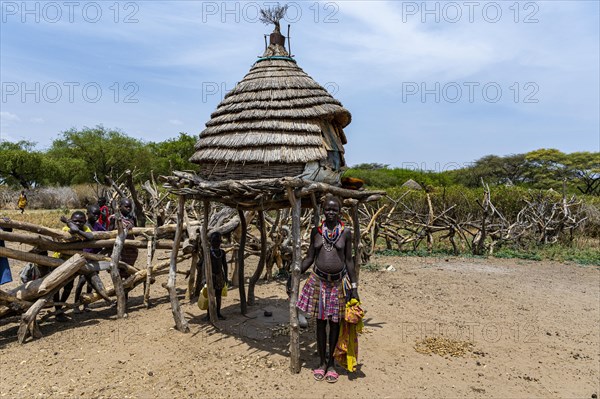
pixel 399 222
pixel 28 299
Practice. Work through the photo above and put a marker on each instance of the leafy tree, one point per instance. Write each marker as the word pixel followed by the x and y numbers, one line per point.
pixel 103 152
pixel 19 164
pixel 173 154
pixel 493 169
pixel 370 166
pixel 585 166
pixel 546 168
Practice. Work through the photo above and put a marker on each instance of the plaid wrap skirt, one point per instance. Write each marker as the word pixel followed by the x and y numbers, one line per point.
pixel 324 299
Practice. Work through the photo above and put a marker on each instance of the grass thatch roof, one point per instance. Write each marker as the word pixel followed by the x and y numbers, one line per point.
pixel 272 116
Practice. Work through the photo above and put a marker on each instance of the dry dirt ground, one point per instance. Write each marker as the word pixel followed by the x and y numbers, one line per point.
pixel 534 329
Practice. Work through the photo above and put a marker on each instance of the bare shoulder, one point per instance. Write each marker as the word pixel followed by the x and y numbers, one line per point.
pixel 348 232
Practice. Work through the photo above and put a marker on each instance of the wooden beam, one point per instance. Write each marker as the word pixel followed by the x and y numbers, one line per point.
pixel 36 288
pixel 295 268
pixel 57 246
pixel 167 230
pixel 180 322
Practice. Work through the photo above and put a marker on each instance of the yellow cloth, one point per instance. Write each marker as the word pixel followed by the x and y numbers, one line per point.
pixel 203 298
pixel 22 201
pixel 346 350
pixel 86 229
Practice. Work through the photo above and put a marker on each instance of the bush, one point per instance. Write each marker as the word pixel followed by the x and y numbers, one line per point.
pixel 76 197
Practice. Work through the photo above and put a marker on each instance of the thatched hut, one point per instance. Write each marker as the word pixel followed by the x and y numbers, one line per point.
pixel 275 141
pixel 276 122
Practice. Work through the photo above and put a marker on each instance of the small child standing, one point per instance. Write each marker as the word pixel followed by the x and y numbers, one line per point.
pixel 93 213
pixel 219 271
pixel 22 202
pixel 79 230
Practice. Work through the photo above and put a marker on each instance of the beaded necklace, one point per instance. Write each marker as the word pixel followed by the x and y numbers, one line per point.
pixel 330 237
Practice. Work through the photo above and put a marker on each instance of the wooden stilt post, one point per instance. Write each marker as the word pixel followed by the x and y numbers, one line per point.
pixel 295 269
pixel 114 269
pixel 357 246
pixel 212 301
pixel 316 210
pixel 241 279
pixel 193 236
pixel 149 257
pixel 262 260
pixel 180 322
pixel 190 293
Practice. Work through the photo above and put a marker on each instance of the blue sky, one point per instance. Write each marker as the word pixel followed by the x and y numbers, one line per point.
pixel 431 85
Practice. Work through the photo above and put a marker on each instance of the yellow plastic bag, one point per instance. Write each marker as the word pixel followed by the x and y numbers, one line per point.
pixel 203 298
pixel 224 291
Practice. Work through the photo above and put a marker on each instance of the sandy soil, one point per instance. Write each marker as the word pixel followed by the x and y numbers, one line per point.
pixel 534 327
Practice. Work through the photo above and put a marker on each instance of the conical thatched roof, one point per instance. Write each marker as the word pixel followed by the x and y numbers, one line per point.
pixel 277 114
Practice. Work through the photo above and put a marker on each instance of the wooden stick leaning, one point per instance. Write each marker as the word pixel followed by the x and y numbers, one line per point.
pixel 180 322
pixel 114 269
pixel 240 259
pixel 261 262
pixel 212 301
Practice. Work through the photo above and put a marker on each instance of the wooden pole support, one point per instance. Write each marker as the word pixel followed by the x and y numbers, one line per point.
pixel 240 259
pixel 212 300
pixel 180 322
pixel 114 269
pixel 295 269
pixel 263 254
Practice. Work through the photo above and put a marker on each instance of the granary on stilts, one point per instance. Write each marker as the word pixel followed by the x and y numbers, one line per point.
pixel 276 122
pixel 275 141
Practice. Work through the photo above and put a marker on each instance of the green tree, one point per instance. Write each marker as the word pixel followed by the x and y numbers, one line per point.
pixel 101 152
pixel 173 154
pixel 493 169
pixel 546 168
pixel 20 164
pixel 585 167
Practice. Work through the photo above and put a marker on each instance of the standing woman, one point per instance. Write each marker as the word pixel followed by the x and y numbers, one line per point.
pixel 324 293
pixel 22 202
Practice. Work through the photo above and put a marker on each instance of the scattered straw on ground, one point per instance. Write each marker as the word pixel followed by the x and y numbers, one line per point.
pixel 443 347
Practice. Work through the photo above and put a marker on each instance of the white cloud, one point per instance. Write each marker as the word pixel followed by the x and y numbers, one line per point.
pixel 175 122
pixel 37 120
pixel 8 117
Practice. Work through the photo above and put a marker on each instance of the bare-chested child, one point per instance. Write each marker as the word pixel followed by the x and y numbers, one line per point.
pixel 218 263
pixel 79 230
pixel 323 294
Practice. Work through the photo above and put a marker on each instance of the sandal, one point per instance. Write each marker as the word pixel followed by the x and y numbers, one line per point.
pixel 319 374
pixel 331 376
